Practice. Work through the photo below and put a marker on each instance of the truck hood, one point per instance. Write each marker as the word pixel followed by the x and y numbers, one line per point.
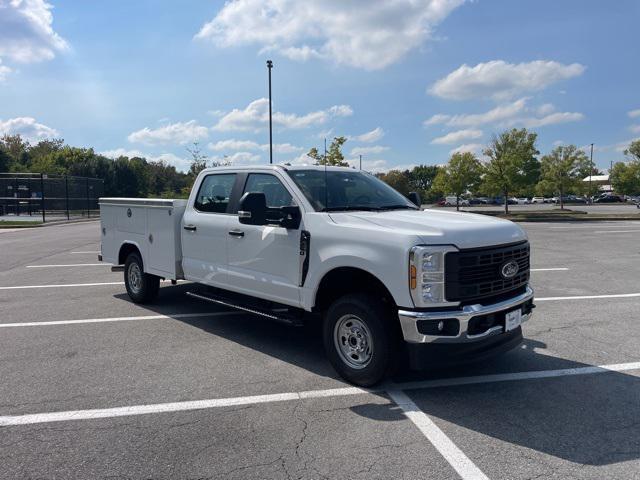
pixel 464 230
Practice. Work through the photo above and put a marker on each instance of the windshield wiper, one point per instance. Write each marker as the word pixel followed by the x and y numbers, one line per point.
pixel 397 207
pixel 348 208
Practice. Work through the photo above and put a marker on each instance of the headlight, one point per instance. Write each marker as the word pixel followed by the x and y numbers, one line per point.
pixel 426 275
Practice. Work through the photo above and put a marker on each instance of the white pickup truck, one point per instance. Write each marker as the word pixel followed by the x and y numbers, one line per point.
pixel 300 244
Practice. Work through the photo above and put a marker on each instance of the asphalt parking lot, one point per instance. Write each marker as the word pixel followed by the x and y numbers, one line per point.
pixel 93 386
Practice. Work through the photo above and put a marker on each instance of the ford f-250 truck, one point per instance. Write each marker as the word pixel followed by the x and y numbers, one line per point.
pixel 304 243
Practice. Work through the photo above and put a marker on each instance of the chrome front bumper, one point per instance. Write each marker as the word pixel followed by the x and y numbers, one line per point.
pixel 409 320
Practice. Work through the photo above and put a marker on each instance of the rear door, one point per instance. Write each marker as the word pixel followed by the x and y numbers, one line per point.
pixel 264 261
pixel 205 227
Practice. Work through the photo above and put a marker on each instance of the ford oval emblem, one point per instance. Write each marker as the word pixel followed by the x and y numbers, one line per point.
pixel 509 269
pixel 128 212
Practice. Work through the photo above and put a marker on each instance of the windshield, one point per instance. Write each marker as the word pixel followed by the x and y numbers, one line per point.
pixel 347 190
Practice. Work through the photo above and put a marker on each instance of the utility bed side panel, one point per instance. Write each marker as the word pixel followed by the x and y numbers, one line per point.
pixel 152 225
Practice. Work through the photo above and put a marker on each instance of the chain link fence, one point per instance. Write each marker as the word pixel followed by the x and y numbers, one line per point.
pixel 38 196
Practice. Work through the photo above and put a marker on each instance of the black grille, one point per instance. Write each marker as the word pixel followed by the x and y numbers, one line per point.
pixel 475 275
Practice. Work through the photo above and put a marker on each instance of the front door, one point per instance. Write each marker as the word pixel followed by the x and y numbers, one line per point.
pixel 204 231
pixel 264 261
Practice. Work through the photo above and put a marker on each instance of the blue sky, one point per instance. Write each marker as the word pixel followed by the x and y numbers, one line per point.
pixel 407 81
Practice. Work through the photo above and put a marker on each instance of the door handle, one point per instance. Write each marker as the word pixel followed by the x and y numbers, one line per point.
pixel 236 233
pixel 190 228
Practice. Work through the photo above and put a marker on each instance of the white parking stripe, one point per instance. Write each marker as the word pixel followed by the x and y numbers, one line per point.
pixel 117 319
pixel 452 454
pixel 587 297
pixel 11 420
pixel 559 269
pixel 616 231
pixel 102 264
pixel 87 252
pixel 67 285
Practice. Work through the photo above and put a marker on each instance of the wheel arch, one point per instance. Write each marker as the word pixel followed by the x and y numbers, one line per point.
pixel 126 249
pixel 341 281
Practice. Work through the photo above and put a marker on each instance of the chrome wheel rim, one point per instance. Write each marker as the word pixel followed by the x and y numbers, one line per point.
pixel 135 277
pixel 352 340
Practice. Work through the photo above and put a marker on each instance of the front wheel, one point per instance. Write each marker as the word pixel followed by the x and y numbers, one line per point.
pixel 359 340
pixel 142 287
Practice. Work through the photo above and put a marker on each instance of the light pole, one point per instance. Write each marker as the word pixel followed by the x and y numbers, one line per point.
pixel 591 173
pixel 360 162
pixel 269 67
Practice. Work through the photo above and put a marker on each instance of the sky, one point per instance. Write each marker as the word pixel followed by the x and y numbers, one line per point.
pixel 408 82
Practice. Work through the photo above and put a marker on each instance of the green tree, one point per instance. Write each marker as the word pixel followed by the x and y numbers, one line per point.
pixel 18 151
pixel 634 150
pixel 198 160
pixel 625 177
pixel 561 170
pixel 333 156
pixel 462 173
pixel 509 155
pixel 421 179
pixel 397 180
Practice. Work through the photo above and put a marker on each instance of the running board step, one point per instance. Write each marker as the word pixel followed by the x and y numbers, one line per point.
pixel 280 314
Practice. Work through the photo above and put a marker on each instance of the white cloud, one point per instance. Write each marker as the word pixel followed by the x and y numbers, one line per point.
pixel 28 128
pixel 468 147
pixel 500 80
pixel 231 145
pixel 255 116
pixel 4 71
pixel 339 31
pixel 175 133
pixel 508 115
pixel 26 34
pixel 634 113
pixel 634 128
pixel 223 145
pixel 239 158
pixel 373 150
pixel 370 137
pixel 123 152
pixel 499 113
pixel 282 148
pixel 552 119
pixel 457 136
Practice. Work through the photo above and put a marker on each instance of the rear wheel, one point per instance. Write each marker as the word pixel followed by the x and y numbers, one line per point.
pixel 359 340
pixel 142 287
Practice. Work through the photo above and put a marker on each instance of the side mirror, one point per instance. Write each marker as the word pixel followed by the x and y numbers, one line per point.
pixel 414 197
pixel 291 217
pixel 253 209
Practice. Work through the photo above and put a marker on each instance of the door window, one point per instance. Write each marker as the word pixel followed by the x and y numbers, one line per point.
pixel 276 193
pixel 214 193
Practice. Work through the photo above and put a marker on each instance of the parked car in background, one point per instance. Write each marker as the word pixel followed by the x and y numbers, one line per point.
pixel 609 198
pixel 476 201
pixel 570 199
pixel 538 200
pixel 450 201
pixel 523 201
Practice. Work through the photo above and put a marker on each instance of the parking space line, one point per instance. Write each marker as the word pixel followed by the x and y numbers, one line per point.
pixel 102 264
pixel 452 454
pixel 86 252
pixel 117 319
pixel 67 285
pixel 12 420
pixel 558 269
pixel 616 231
pixel 588 297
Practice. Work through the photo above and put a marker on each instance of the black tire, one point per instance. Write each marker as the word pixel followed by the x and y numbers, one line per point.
pixel 141 287
pixel 370 315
